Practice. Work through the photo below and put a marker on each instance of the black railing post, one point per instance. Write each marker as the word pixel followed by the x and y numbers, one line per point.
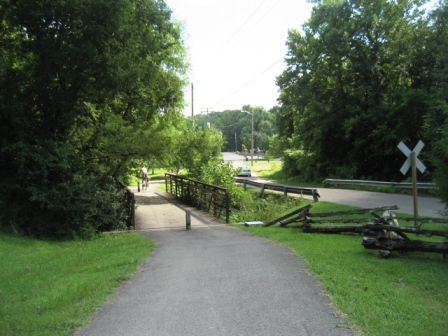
pixel 166 182
pixel 132 209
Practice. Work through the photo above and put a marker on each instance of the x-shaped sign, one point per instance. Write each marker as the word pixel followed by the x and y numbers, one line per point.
pixel 406 151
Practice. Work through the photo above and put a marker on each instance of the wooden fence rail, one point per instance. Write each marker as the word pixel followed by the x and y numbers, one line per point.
pixel 383 232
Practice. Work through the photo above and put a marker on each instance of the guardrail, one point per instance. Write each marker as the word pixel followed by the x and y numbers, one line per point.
pixel 406 185
pixel 207 197
pixel 280 187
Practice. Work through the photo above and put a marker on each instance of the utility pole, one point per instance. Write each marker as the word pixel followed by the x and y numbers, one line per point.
pixel 192 105
pixel 206 119
pixel 252 149
pixel 236 145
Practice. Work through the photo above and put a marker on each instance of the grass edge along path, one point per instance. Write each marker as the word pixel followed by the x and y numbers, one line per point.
pixel 54 288
pixel 402 295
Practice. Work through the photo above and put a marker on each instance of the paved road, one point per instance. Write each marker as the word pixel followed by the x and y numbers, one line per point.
pixel 427 206
pixel 214 280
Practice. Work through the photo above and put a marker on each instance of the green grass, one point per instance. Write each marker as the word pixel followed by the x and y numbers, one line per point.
pixel 53 288
pixel 272 171
pixel 403 295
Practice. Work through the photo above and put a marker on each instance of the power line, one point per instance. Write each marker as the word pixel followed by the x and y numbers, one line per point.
pixel 260 19
pixel 239 122
pixel 244 23
pixel 242 87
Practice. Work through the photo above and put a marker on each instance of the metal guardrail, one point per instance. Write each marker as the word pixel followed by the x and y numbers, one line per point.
pixel 280 187
pixel 406 185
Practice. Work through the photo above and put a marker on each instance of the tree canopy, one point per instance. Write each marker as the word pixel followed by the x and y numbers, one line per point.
pixel 356 84
pixel 86 86
pixel 236 126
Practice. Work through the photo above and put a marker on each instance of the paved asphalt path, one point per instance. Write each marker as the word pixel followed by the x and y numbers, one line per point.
pixel 213 280
pixel 427 206
pixel 219 280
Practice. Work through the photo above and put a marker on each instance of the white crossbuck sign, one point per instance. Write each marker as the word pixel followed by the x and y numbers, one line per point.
pixel 406 151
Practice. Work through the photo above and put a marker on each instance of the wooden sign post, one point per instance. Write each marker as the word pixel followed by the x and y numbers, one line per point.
pixel 414 163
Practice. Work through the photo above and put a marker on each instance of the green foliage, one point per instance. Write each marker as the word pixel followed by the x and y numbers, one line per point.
pixel 194 148
pixel 355 86
pixel 436 120
pixel 236 127
pixel 85 88
pixel 220 173
pixel 266 209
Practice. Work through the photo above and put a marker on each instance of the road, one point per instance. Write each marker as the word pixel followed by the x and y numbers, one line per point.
pixel 427 206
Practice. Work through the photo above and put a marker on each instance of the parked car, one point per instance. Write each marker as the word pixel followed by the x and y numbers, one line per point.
pixel 245 171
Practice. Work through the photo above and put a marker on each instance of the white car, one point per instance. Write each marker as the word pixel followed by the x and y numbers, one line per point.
pixel 245 171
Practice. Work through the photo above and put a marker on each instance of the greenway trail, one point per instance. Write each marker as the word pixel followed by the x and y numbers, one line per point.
pixel 213 280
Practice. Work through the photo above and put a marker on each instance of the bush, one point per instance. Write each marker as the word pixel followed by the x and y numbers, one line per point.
pixel 79 208
pixel 266 209
pixel 220 173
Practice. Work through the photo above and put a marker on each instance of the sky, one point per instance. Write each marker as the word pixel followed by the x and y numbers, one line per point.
pixel 236 49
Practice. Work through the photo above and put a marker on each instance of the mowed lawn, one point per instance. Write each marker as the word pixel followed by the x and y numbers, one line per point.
pixel 53 288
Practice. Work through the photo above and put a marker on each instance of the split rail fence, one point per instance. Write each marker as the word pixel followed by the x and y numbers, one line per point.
pixel 381 232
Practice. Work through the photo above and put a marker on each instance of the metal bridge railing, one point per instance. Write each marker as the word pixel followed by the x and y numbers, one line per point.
pixel 207 197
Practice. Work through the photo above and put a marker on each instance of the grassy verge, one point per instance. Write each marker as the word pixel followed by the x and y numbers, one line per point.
pixel 402 295
pixel 272 171
pixel 54 288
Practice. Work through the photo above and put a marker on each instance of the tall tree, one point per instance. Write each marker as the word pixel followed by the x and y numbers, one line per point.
pixel 236 126
pixel 350 92
pixel 80 82
pixel 436 120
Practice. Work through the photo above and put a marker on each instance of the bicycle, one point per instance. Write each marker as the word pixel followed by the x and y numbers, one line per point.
pixel 145 182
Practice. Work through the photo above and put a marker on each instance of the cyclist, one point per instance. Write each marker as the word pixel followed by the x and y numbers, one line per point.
pixel 145 178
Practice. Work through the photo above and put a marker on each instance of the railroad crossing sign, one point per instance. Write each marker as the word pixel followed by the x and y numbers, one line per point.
pixel 408 163
pixel 415 163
